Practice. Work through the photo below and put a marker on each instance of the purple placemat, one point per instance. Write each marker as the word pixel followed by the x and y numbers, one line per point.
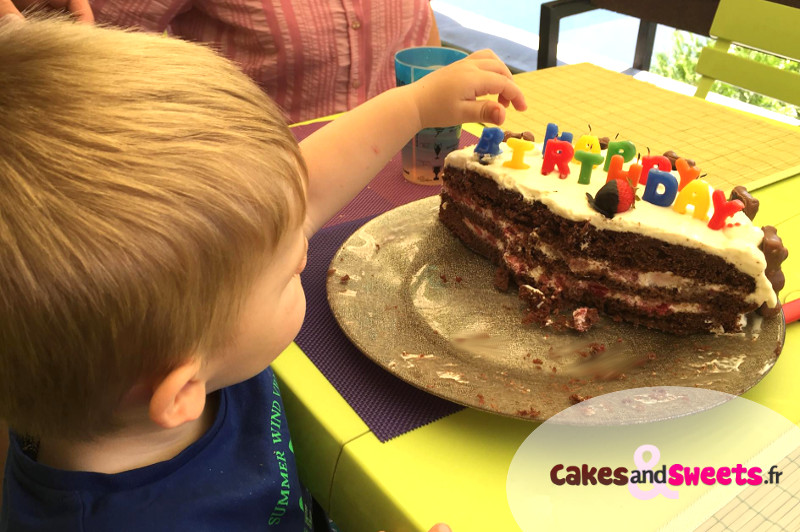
pixel 389 406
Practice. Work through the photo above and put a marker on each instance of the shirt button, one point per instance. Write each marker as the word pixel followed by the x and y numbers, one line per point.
pixel 356 84
pixel 355 25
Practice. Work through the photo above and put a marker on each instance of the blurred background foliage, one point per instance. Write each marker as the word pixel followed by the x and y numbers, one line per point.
pixel 679 64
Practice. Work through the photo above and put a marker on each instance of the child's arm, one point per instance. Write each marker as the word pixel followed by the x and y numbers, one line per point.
pixel 345 155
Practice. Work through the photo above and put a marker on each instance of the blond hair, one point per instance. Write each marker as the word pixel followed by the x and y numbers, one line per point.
pixel 144 182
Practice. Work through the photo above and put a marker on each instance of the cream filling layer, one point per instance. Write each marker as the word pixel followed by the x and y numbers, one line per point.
pixel 520 268
pixel 667 280
pixel 536 274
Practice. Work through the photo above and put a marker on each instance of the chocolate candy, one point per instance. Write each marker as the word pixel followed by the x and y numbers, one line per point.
pixel 750 203
pixel 672 156
pixel 775 253
pixel 525 135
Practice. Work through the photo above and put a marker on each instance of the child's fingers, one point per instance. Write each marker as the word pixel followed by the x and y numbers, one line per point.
pixel 484 111
pixel 484 54
pixel 494 65
pixel 506 89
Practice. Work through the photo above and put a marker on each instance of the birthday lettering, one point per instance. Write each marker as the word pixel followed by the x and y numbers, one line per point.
pixel 519 147
pixel 558 153
pixel 624 148
pixel 615 171
pixel 654 161
pixel 698 196
pixel 723 209
pixel 687 173
pixel 587 143
pixel 588 162
pixel 684 193
pixel 551 132
pixel 661 188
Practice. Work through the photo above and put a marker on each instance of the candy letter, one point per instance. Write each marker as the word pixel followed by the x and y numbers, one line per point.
pixel 552 132
pixel 698 194
pixel 588 162
pixel 489 143
pixel 687 173
pixel 620 147
pixel 558 152
pixel 723 210
pixel 649 161
pixel 519 147
pixel 651 192
pixel 587 143
pixel 631 175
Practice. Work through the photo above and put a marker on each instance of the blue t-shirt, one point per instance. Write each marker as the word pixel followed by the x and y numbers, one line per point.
pixel 241 475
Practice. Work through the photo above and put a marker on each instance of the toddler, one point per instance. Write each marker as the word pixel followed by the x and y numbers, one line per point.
pixel 154 217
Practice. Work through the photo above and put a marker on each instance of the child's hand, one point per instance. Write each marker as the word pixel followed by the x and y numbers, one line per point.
pixel 447 96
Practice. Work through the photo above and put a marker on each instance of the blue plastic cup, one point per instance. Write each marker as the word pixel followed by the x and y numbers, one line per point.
pixel 423 156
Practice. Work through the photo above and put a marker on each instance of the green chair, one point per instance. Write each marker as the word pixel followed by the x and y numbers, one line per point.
pixel 756 24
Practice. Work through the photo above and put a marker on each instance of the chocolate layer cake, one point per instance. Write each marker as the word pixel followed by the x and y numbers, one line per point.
pixel 650 265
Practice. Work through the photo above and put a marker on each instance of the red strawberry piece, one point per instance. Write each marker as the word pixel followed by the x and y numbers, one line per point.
pixel 626 195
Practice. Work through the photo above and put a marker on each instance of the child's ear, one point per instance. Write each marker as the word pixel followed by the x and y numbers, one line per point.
pixel 180 396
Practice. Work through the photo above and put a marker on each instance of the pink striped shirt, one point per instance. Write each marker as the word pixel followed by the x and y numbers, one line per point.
pixel 314 57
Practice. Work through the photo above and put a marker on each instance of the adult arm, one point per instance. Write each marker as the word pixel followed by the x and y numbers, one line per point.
pixel 434 39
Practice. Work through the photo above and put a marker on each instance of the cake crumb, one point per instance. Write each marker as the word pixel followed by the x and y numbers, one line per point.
pixel 443 277
pixel 577 398
pixel 502 279
pixel 331 272
pixel 539 305
pixel 344 279
pixel 583 319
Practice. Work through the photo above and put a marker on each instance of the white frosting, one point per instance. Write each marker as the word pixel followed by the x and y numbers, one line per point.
pixel 738 245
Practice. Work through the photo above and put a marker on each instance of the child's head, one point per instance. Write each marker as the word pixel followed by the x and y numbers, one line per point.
pixel 145 184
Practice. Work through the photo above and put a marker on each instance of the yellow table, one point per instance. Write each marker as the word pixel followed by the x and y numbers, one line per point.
pixel 454 470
